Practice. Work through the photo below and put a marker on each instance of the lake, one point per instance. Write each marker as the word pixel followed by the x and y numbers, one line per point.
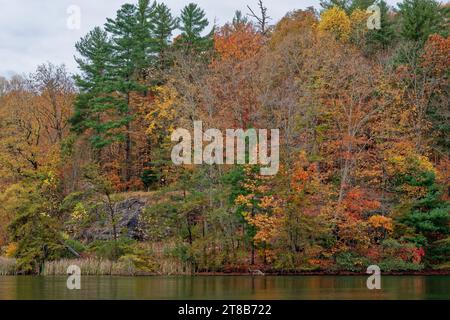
pixel 226 287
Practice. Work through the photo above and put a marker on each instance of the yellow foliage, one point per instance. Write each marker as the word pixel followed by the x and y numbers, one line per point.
pixel 241 200
pixel 162 114
pixel 378 221
pixel 267 227
pixel 10 250
pixel 295 22
pixel 79 213
pixel 336 21
pixel 358 21
pixel 402 159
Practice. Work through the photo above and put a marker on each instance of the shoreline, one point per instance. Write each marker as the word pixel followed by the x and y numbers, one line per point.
pixel 271 274
pixel 328 273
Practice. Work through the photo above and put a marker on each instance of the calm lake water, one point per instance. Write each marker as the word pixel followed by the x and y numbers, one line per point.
pixel 226 287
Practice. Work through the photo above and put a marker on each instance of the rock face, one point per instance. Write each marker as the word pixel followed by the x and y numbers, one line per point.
pixel 127 215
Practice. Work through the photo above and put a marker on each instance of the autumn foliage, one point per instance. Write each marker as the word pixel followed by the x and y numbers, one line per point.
pixel 364 127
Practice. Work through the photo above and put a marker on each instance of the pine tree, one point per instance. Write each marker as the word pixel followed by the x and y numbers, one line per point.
pixel 360 4
pixel 95 100
pixel 239 20
pixel 193 22
pixel 420 18
pixel 384 36
pixel 132 56
pixel 163 26
pixel 342 4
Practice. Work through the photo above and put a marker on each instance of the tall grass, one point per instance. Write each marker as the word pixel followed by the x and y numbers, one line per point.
pixel 166 264
pixel 169 265
pixel 8 266
pixel 98 267
pixel 90 267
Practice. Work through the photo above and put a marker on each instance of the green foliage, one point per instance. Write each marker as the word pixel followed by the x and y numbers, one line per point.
pixel 112 250
pixel 342 4
pixel 381 38
pixel 95 99
pixel 439 253
pixel 35 228
pixel 193 23
pixel 351 261
pixel 397 264
pixel 419 19
pixel 328 96
pixel 131 43
pixel 430 223
pixel 426 216
pixel 163 26
pixel 75 245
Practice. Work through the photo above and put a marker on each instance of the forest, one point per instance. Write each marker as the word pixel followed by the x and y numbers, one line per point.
pixel 86 175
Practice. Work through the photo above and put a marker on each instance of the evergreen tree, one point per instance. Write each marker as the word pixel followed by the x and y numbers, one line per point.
pixel 193 22
pixel 420 18
pixel 95 100
pixel 239 19
pixel 383 37
pixel 131 32
pixel 163 26
pixel 342 4
pixel 360 4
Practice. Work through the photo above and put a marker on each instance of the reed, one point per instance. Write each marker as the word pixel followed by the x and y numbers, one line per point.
pixel 89 267
pixel 8 266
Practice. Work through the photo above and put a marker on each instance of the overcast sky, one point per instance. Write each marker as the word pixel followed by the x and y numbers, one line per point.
pixel 35 31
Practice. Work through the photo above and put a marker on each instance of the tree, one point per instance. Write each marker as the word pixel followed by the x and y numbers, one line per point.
pixel 383 37
pixel 434 65
pixel 34 227
pixel 341 4
pixel 35 115
pixel 96 108
pixel 131 41
pixel 358 22
pixel 102 191
pixel 422 213
pixel 336 21
pixel 360 4
pixel 239 19
pixel 163 26
pixel 262 19
pixel 55 86
pixel 193 23
pixel 419 19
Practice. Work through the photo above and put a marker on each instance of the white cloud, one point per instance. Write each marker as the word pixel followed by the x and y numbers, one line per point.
pixel 33 32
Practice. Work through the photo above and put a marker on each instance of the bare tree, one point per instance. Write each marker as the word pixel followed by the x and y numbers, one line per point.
pixel 54 84
pixel 262 18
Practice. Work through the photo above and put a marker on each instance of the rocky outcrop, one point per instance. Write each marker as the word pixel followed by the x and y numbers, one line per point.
pixel 128 216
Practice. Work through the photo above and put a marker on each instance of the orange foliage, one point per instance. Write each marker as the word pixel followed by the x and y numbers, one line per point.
pixel 357 202
pixel 237 44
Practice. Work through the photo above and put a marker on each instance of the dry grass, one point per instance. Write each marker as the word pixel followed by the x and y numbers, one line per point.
pixel 7 266
pixel 97 267
pixel 90 267
pixel 168 265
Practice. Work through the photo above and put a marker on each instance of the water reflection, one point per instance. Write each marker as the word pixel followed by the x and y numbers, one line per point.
pixel 226 287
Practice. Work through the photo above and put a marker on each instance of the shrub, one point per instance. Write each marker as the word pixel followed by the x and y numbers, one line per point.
pixel 398 264
pixel 350 261
pixel 75 245
pixel 112 250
